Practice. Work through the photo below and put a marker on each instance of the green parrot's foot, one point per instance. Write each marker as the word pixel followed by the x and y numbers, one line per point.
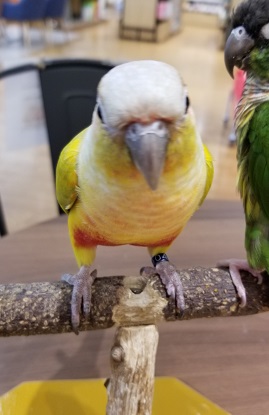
pixel 232 139
pixel 81 294
pixel 170 278
pixel 235 266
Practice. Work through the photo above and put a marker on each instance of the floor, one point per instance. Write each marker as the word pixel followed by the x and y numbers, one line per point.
pixel 26 182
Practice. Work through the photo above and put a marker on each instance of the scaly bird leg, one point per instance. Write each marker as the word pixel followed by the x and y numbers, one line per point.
pixel 235 265
pixel 169 276
pixel 81 294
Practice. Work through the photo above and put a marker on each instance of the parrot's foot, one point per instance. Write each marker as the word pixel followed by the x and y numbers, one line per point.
pixel 235 265
pixel 232 139
pixel 169 276
pixel 81 294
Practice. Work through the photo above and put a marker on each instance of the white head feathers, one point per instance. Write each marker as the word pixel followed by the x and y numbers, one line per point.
pixel 141 91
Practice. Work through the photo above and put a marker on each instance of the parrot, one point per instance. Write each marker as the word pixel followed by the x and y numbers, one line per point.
pixel 135 176
pixel 247 48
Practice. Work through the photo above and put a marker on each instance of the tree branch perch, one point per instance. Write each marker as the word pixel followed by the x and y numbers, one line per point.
pixel 40 308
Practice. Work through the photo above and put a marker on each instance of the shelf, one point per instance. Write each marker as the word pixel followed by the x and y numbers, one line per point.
pixel 158 21
pixel 217 7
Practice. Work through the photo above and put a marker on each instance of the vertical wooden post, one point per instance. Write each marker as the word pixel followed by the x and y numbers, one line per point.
pixel 133 354
pixel 133 367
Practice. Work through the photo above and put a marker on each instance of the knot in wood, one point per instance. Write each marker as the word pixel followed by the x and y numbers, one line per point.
pixel 117 354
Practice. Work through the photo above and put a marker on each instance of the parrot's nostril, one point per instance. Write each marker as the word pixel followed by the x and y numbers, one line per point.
pixel 160 126
pixel 161 129
pixel 133 132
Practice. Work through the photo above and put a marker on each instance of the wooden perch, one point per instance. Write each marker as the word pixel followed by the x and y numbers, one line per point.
pixel 132 363
pixel 39 308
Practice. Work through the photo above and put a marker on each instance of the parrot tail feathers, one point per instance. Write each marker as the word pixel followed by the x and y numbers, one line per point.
pixel 257 246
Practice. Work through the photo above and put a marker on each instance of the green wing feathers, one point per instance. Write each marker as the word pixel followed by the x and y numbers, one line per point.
pixel 259 156
pixel 66 174
pixel 253 184
pixel 257 244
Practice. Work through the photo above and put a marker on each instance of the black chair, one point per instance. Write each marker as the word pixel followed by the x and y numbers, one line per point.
pixel 3 227
pixel 69 89
pixel 8 73
pixel 68 93
pixel 18 70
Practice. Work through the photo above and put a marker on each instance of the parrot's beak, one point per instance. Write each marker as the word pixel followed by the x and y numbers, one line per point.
pixel 147 144
pixel 237 47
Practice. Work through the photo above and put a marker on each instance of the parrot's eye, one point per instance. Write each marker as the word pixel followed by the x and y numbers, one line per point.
pixel 239 32
pixel 187 104
pixel 265 31
pixel 99 112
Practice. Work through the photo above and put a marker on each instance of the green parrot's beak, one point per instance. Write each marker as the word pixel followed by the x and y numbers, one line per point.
pixel 147 144
pixel 237 47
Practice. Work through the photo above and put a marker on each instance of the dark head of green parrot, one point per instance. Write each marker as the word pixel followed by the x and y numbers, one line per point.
pixel 247 46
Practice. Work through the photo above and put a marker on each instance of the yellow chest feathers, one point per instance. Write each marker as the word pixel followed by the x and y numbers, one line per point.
pixel 117 201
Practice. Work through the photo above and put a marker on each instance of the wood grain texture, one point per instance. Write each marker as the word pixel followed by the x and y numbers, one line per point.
pixel 132 363
pixel 44 308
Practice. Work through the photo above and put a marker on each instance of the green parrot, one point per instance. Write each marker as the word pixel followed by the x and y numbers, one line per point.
pixel 247 47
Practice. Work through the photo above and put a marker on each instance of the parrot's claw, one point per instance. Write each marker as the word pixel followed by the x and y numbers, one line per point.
pixel 147 271
pixel 235 265
pixel 170 279
pixel 81 294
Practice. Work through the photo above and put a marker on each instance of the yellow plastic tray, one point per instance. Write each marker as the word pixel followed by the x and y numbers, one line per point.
pixel 88 397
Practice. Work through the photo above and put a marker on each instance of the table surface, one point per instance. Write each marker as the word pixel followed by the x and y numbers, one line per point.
pixel 226 359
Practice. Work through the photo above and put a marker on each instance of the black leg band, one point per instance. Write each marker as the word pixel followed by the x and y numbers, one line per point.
pixel 159 258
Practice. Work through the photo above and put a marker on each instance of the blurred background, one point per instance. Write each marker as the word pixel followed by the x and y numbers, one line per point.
pixel 188 34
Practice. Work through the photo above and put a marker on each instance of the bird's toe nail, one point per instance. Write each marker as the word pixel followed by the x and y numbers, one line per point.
pixel 93 274
pixel 142 270
pixel 75 329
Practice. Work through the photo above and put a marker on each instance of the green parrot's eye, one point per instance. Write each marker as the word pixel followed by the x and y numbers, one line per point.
pixel 187 103
pixel 99 112
pixel 265 31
